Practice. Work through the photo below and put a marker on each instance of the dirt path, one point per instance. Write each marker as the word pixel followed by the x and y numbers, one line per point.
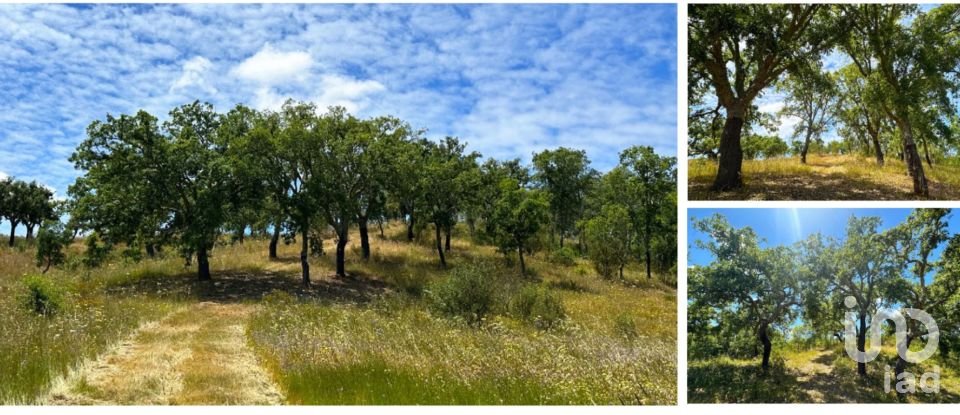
pixel 196 355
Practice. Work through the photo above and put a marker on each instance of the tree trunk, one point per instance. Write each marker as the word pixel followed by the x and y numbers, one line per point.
pixel 731 154
pixel 13 230
pixel 646 244
pixel 364 237
pixel 523 265
pixel 274 240
pixel 203 264
pixel 30 231
pixel 806 147
pixel 446 244
pixel 862 344
pixel 380 225
pixel 914 164
pixel 926 154
pixel 901 366
pixel 561 239
pixel 341 253
pixel 410 229
pixel 47 268
pixel 304 263
pixel 151 252
pixel 877 150
pixel 443 261
pixel 765 340
pixel 621 271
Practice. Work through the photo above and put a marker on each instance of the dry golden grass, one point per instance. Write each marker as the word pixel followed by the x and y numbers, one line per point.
pixel 161 337
pixel 824 177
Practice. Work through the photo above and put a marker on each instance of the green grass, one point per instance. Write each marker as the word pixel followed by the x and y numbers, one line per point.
pixel 35 349
pixel 809 376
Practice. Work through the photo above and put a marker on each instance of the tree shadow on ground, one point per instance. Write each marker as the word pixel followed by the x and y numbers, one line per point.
pixel 834 186
pixel 722 382
pixel 251 286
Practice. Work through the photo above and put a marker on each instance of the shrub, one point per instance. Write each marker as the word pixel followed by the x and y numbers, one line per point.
pixel 564 256
pixel 538 305
pixel 623 325
pixel 50 242
pixel 43 296
pixel 96 253
pixel 468 293
pixel 410 282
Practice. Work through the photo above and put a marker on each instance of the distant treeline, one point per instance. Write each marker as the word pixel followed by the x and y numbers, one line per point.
pixel 302 173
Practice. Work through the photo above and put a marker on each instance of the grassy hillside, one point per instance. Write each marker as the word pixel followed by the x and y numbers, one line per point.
pixel 824 177
pixel 376 338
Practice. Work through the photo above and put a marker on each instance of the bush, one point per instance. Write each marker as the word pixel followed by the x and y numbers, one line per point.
pixel 623 325
pixel 468 293
pixel 564 256
pixel 411 282
pixel 538 305
pixel 43 296
pixel 96 253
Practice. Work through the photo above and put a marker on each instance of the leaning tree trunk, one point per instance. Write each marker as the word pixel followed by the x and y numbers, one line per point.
pixel 877 150
pixel 731 154
pixel 767 346
pixel 274 240
pixel 341 253
pixel 914 164
pixel 304 263
pixel 364 237
pixel 380 225
pixel 443 261
pixel 203 263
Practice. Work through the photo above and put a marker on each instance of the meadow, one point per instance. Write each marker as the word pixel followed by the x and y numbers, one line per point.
pixel 818 374
pixel 823 177
pixel 149 332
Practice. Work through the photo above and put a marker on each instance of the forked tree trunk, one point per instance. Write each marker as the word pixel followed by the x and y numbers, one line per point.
pixel 304 263
pixel 274 240
pixel 203 264
pixel 364 237
pixel 443 261
pixel 731 153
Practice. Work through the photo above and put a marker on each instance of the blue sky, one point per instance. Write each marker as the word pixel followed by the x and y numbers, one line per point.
pixel 784 226
pixel 508 79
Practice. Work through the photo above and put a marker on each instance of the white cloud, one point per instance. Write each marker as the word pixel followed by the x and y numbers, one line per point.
pixel 3 176
pixel 347 92
pixel 271 67
pixel 195 73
